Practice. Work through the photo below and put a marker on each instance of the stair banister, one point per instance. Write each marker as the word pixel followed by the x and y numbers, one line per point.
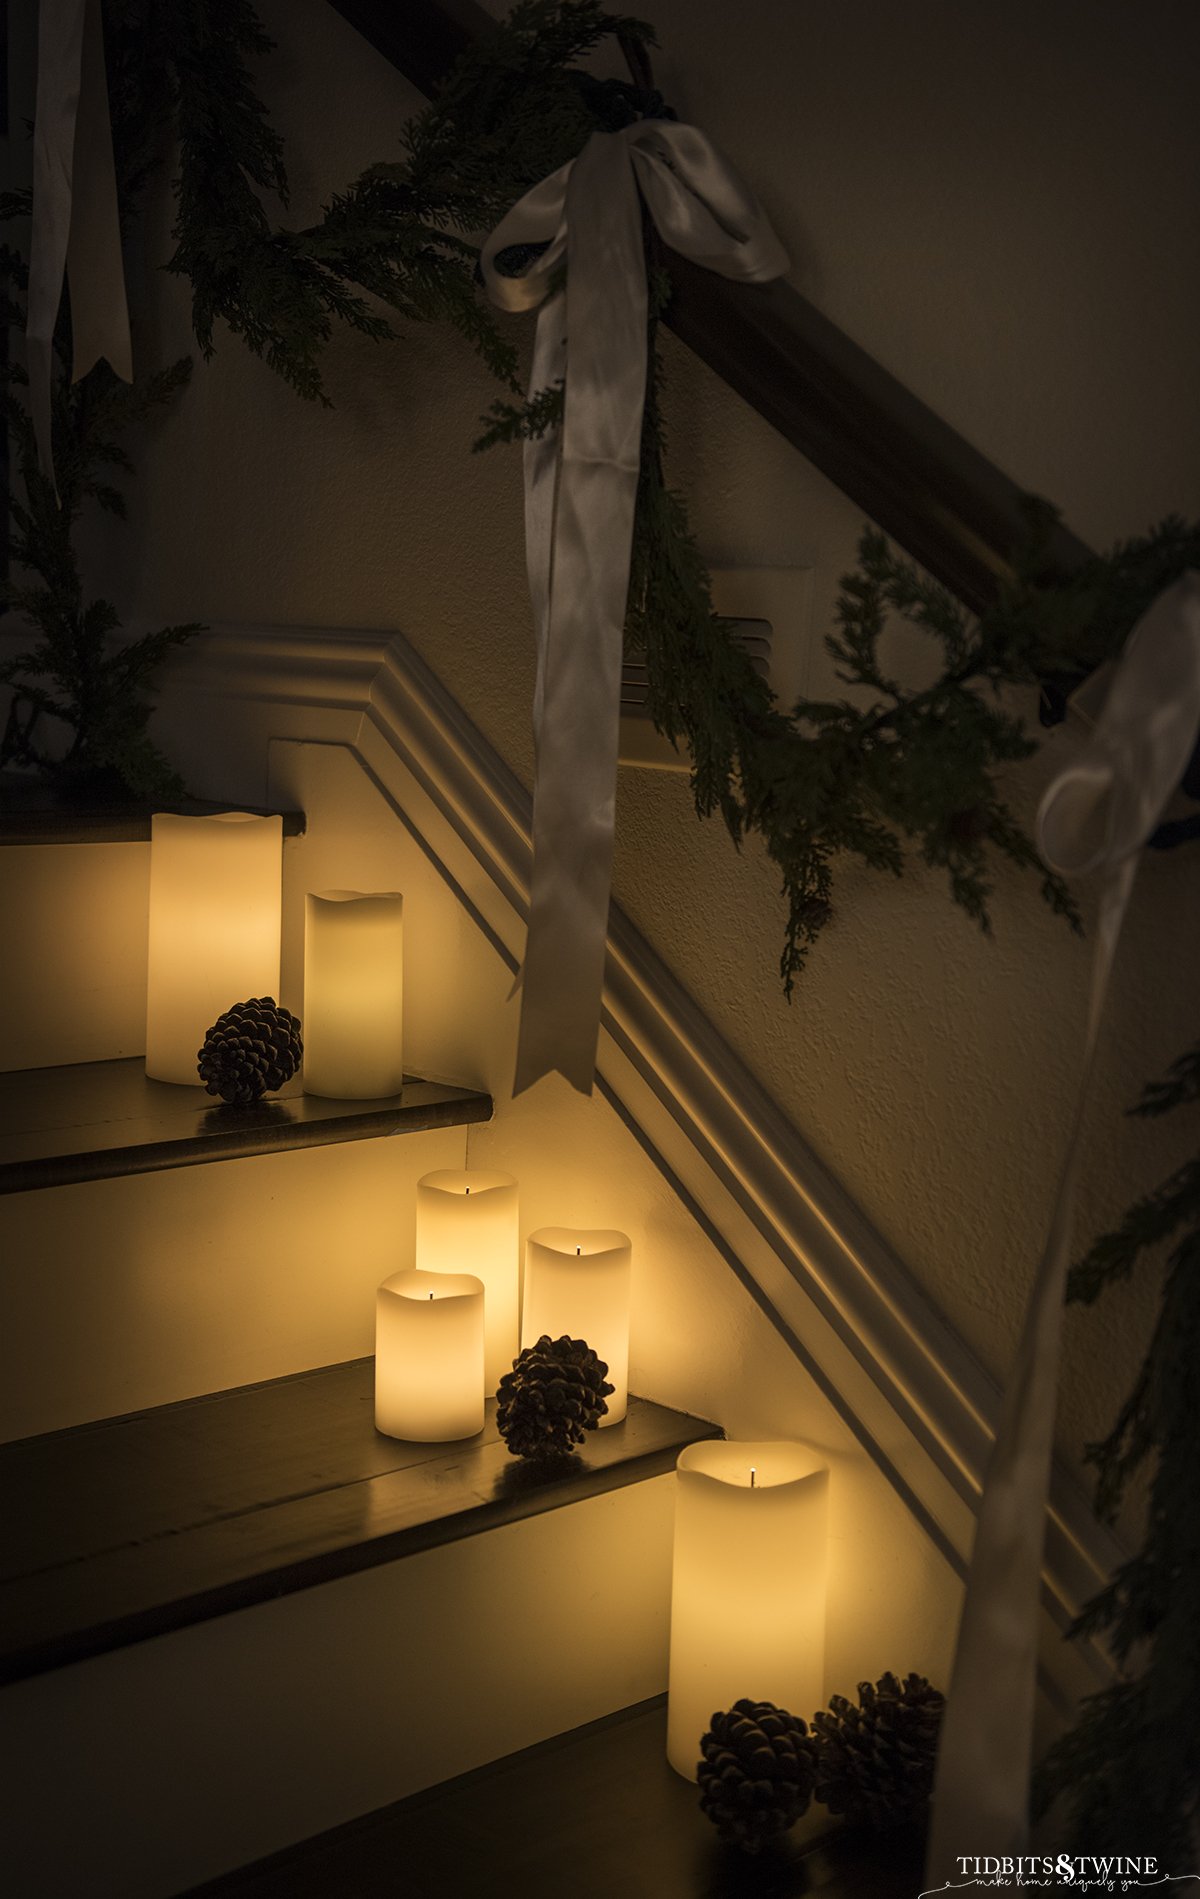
pixel 914 476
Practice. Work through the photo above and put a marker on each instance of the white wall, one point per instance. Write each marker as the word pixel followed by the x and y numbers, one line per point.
pixel 999 203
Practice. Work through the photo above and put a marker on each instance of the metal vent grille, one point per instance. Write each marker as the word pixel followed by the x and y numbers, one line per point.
pixel 754 635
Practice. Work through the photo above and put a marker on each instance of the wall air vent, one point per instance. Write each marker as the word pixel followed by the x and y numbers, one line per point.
pixel 769 609
pixel 754 635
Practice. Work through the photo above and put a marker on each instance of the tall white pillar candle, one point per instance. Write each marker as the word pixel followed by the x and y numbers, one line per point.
pixel 429 1356
pixel 467 1222
pixel 748 1586
pixel 579 1283
pixel 214 929
pixel 353 993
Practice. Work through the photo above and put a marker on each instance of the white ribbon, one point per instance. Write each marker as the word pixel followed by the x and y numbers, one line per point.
pixel 75 221
pixel 580 488
pixel 1095 816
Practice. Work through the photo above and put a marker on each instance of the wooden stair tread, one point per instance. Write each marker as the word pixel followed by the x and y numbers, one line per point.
pixel 595 1813
pixel 94 1120
pixel 37 811
pixel 135 1526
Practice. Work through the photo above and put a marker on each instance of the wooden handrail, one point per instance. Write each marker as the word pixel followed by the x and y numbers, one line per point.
pixel 923 484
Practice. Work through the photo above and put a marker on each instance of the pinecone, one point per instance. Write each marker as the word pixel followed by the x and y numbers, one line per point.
pixel 875 1762
pixel 554 1393
pixel 757 1774
pixel 252 1047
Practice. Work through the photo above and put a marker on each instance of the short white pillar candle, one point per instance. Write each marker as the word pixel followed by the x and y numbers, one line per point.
pixel 748 1586
pixel 353 993
pixel 467 1222
pixel 214 929
pixel 578 1282
pixel 429 1356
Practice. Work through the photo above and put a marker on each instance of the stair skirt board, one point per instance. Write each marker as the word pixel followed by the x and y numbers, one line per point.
pixel 905 1385
pixel 146 1771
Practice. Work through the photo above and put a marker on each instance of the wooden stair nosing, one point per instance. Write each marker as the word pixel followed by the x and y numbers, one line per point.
pixel 37 813
pixel 100 1120
pixel 131 1528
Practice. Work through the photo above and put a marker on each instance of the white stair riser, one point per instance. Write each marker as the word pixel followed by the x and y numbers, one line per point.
pixel 141 1773
pixel 123 1293
pixel 74 987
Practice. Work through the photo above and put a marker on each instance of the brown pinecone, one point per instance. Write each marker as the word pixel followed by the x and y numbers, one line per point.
pixel 757 1773
pixel 252 1047
pixel 553 1395
pixel 875 1762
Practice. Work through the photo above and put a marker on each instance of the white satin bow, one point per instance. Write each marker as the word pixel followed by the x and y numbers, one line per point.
pixel 75 220
pixel 1094 816
pixel 580 490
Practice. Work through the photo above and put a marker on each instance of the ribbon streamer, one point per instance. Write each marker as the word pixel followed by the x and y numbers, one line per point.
pixel 75 220
pixel 1094 817
pixel 580 489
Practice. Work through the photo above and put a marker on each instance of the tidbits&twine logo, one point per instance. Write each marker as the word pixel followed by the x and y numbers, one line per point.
pixel 1075 1872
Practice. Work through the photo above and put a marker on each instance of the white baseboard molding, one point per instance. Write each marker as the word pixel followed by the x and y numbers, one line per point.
pixel 905 1384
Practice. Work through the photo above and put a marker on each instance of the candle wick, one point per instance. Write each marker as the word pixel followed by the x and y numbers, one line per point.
pixel 468 1192
pixel 577 1252
pixel 751 1467
pixel 431 1295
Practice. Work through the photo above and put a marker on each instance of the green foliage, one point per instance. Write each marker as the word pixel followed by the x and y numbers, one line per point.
pixel 906 772
pixel 1127 1768
pixel 399 236
pixel 916 768
pixel 71 670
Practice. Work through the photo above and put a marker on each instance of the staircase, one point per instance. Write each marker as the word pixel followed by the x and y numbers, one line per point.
pixel 245 1639
pixel 250 1647
pixel 233 1615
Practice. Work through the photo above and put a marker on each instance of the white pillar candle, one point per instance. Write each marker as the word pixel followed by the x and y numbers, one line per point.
pixel 353 993
pixel 748 1586
pixel 214 929
pixel 467 1222
pixel 578 1283
pixel 429 1356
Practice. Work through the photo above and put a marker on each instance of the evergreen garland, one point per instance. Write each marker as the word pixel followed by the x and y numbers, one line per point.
pixel 917 769
pixel 1130 1767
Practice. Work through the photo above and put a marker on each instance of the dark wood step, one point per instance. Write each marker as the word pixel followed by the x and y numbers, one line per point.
pixel 135 1526
pixel 94 1120
pixel 596 1814
pixel 39 811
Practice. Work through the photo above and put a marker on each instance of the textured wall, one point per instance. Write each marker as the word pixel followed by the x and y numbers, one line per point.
pixel 1000 203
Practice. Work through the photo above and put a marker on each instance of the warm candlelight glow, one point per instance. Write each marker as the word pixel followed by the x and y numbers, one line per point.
pixel 353 993
pixel 579 1283
pixel 748 1588
pixel 214 929
pixel 467 1223
pixel 429 1356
